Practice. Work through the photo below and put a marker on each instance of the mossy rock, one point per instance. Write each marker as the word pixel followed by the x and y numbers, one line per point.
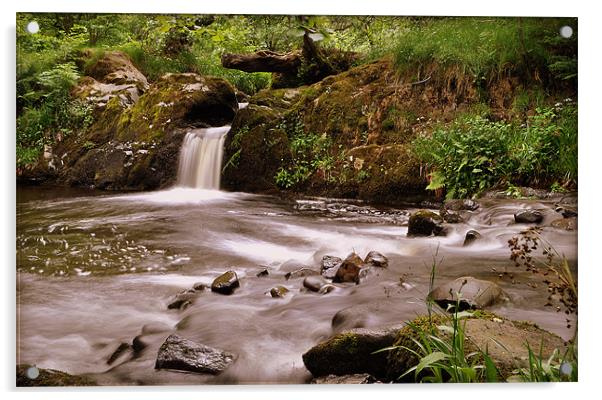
pixel 425 223
pixel 351 352
pixel 178 100
pixel 50 377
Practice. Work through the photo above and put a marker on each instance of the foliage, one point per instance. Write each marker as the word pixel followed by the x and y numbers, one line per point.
pixel 474 154
pixel 557 368
pixel 309 154
pixel 488 47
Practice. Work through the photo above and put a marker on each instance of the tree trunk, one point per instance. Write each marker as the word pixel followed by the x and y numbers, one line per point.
pixel 263 61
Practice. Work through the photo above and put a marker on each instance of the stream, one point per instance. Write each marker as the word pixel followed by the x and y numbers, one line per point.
pixel 95 269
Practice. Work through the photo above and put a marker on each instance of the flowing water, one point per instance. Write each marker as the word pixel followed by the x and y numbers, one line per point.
pixel 95 269
pixel 201 158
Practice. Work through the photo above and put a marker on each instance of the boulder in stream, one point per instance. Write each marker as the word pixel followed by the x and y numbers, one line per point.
pixel 351 352
pixel 300 273
pixel 330 265
pixel 376 259
pixel 474 293
pixel 225 283
pixel 528 217
pixel 460 205
pixel 350 269
pixel 182 300
pixel 471 237
pixel 314 283
pixel 425 223
pixel 278 291
pixel 185 355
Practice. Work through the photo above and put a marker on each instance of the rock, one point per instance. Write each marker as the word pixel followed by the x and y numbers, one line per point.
pixel 329 266
pixel 460 205
pixel 528 217
pixel 381 312
pixel 278 291
pixel 504 340
pixel 567 212
pixel 262 273
pixel 182 300
pixel 351 352
pixel 121 352
pixel 471 237
pixel 375 259
pixel 425 223
pixel 112 76
pixel 139 344
pixel 185 355
pixel 349 271
pixel 199 286
pixel 451 217
pixel 475 293
pixel 225 283
pixel 353 379
pixel 155 327
pixel 29 375
pixel 567 224
pixel 300 273
pixel 314 283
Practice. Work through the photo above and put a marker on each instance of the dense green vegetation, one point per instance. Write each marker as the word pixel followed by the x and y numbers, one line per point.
pixel 532 140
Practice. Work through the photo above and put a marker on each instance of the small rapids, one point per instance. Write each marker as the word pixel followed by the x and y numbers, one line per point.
pixel 94 270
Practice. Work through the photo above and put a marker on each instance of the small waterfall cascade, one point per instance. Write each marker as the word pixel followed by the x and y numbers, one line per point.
pixel 201 158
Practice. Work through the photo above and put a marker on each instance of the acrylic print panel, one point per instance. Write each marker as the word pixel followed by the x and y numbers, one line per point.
pixel 236 199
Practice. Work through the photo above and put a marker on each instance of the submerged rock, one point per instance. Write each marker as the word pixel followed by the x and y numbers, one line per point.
pixel 225 283
pixel 123 352
pixel 278 291
pixel 375 259
pixel 353 379
pixel 300 273
pixel 425 223
pixel 329 266
pixel 327 289
pixel 471 237
pixel 451 217
pixel 528 217
pixel 349 271
pixel 474 293
pixel 351 352
pixel 185 355
pixel 566 211
pixel 567 224
pixel 199 286
pixel 314 283
pixel 262 273
pixel 182 300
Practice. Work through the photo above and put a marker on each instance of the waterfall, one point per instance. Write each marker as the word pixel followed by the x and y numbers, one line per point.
pixel 201 158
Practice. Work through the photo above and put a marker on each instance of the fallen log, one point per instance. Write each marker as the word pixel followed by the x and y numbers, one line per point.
pixel 263 61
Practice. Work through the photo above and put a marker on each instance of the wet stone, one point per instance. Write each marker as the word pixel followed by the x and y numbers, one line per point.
pixel 314 283
pixel 199 286
pixel 181 301
pixel 474 293
pixel 376 259
pixel 327 289
pixel 300 273
pixel 225 283
pixel 263 273
pixel 349 271
pixel 329 266
pixel 471 237
pixel 185 355
pixel 278 291
pixel 528 217
pixel 425 223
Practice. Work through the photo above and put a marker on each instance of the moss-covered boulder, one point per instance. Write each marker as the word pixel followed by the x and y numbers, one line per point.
pixel 110 75
pixel 351 352
pixel 425 223
pixel 27 376
pixel 136 145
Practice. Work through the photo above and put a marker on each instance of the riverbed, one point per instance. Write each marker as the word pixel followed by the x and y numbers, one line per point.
pixel 95 268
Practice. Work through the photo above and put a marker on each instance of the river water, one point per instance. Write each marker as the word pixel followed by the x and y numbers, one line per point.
pixel 94 268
